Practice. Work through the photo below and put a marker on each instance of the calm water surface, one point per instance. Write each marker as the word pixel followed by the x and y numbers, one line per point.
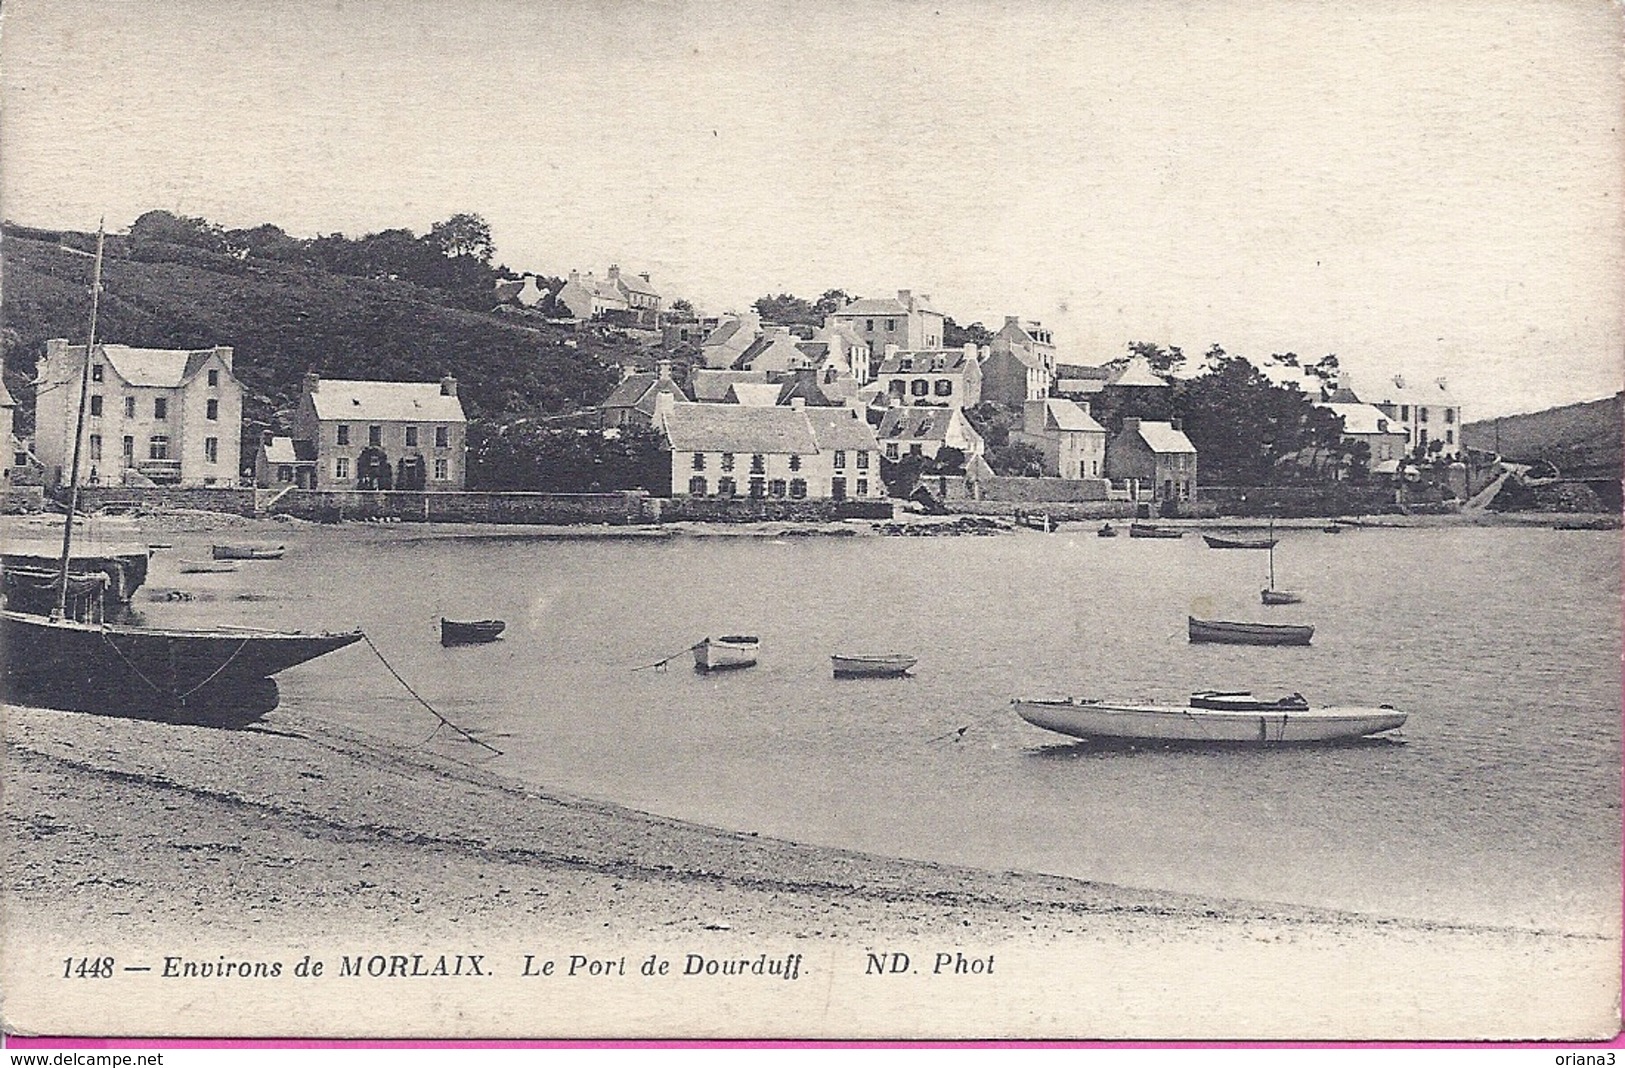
pixel 1500 803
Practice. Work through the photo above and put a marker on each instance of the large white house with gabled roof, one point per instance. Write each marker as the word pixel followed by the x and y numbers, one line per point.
pixel 383 435
pixel 908 322
pixel 772 452
pixel 164 416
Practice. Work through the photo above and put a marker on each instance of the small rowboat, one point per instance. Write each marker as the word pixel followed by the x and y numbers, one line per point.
pixel 248 552
pixel 470 632
pixel 206 567
pixel 1214 541
pixel 727 652
pixel 875 666
pixel 1211 718
pixel 1146 530
pixel 1226 633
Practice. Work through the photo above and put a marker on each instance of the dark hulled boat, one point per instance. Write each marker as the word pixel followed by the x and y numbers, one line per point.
pixel 470 632
pixel 1224 632
pixel 1146 530
pixel 1218 541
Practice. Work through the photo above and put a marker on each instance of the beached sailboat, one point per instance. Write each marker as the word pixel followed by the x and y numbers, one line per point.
pixel 1210 718
pixel 216 675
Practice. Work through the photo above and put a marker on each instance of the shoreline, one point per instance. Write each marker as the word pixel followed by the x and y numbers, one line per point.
pixel 145 835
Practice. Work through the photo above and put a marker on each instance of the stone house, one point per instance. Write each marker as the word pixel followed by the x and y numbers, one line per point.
pixel 1425 411
pixel 1020 364
pixel 734 450
pixel 282 461
pixel 383 435
pixel 945 378
pixel 1154 456
pixel 633 401
pixel 164 416
pixel 1386 439
pixel 1073 444
pixel 925 431
pixel 908 322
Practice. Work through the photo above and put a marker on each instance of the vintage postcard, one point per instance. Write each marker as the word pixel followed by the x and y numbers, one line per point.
pixel 655 519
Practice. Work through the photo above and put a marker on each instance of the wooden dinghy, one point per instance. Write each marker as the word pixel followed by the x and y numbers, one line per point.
pixel 872 666
pixel 1225 632
pixel 206 567
pixel 247 552
pixel 727 652
pixel 1146 530
pixel 1211 718
pixel 470 632
pixel 1216 541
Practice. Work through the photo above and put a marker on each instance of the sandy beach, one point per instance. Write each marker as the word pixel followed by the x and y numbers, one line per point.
pixel 165 846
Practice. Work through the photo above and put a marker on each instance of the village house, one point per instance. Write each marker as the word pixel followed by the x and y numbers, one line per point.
pixel 777 349
pixel 642 299
pixel 1130 376
pixel 946 378
pixel 908 322
pixel 152 416
pixel 926 431
pixel 281 461
pixel 522 291
pixel 690 331
pixel 723 346
pixel 633 402
pixel 1425 411
pixel 708 385
pixel 1386 439
pixel 383 435
pixel 1154 456
pixel 1073 444
pixel 834 345
pixel 586 297
pixel 731 450
pixel 1020 365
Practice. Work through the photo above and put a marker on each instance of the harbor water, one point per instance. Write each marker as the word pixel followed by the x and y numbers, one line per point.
pixel 1498 802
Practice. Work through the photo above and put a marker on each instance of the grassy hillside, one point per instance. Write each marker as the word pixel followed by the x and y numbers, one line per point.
pixel 284 320
pixel 1581 439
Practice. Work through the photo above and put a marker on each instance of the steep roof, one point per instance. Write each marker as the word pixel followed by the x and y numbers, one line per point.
pixel 288 451
pixel 1065 415
pixel 739 428
pixel 155 367
pixel 924 424
pixel 921 361
pixel 840 429
pixel 5 397
pixel 1162 437
pixel 637 284
pixel 631 390
pixel 1364 419
pixel 754 393
pixel 1402 390
pixel 1137 372
pixel 712 384
pixel 339 398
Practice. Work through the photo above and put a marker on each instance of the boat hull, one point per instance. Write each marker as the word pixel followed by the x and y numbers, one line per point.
pixel 725 654
pixel 872 667
pixel 1222 632
pixel 1278 597
pixel 247 552
pixel 475 632
pixel 1140 530
pixel 183 675
pixel 1172 723
pixel 125 567
pixel 1216 542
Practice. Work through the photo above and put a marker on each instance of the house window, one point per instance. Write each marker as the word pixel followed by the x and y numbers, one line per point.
pixel 726 487
pixel 914 449
pixel 891 324
pixel 795 462
pixel 863 459
pixel 1449 437
pixel 1404 413
pixel 211 409
pixel 95 446
pixel 891 450
pixel 840 457
pixel 897 387
pixel 919 387
pixel 284 473
pixel 129 450
pixel 758 464
pixel 96 405
pixel 343 432
pixel 96 372
pixel 863 487
pixel 728 462
pixel 158 447
pixel 1450 415
pixel 1421 415
pixel 341 467
pixel 775 488
pixel 129 407
pixel 944 387
pixel 411 437
pixel 758 488
pixel 442 437
pixel 798 488
pixel 160 408
pixel 375 435
pixel 211 450
pixel 699 461
pixel 837 488
pixel 214 377
pixel 869 325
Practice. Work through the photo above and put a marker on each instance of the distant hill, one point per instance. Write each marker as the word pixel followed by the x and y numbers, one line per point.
pixel 1581 439
pixel 285 319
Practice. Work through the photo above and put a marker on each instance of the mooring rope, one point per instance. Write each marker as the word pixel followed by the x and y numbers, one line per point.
pixel 958 734
pixel 660 665
pixel 444 722
pixel 227 663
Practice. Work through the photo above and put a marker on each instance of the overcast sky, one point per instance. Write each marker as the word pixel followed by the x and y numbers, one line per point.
pixel 1420 187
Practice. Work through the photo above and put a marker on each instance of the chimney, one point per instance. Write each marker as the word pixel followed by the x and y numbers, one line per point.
pixel 614 272
pixel 266 436
pixel 1177 424
pixel 906 299
pixel 1012 320
pixel 448 386
pixel 313 381
pixel 225 354
pixel 1131 424
pixel 644 275
pixel 628 370
pixel 575 278
pixel 662 369
pixel 970 352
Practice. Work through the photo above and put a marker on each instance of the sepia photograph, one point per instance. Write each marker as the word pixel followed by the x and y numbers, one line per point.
pixel 849 520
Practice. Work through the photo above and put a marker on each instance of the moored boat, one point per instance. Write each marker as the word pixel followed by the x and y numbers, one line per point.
pixel 1225 632
pixel 1210 718
pixel 206 567
pixel 727 652
pixel 1216 541
pixel 1273 596
pixel 470 632
pixel 1146 530
pixel 1107 531
pixel 873 665
pixel 124 565
pixel 247 552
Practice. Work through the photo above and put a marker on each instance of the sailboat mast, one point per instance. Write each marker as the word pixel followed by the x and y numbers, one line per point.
pixel 61 610
pixel 1272 552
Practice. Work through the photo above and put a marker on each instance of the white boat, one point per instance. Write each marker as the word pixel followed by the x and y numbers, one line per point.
pixel 872 666
pixel 1216 718
pixel 728 651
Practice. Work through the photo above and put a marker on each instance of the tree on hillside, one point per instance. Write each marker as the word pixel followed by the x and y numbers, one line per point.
pixel 954 335
pixel 786 310
pixel 1164 361
pixel 168 228
pixel 681 309
pixel 831 302
pixel 1242 425
pixel 464 234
